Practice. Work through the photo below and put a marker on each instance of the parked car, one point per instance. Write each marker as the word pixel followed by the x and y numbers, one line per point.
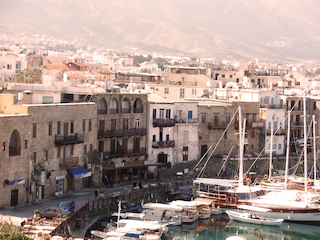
pixel 67 205
pixel 54 211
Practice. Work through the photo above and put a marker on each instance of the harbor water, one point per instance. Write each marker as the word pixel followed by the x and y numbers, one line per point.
pixel 220 228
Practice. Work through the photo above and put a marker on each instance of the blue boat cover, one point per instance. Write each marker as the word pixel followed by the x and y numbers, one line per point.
pixel 79 172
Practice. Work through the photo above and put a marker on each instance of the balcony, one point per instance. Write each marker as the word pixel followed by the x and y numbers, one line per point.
pixel 297 124
pixel 138 110
pixel 217 125
pixel 70 139
pixel 186 121
pixel 125 110
pixel 121 133
pixel 159 122
pixel 14 151
pixel 113 110
pixel 124 153
pixel 163 144
pixel 69 162
pixel 272 106
pixel 278 133
pixel 102 111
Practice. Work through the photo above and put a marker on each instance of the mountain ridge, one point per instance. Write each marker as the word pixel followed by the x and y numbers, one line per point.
pixel 204 28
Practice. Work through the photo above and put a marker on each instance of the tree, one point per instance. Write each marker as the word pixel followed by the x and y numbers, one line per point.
pixel 27 76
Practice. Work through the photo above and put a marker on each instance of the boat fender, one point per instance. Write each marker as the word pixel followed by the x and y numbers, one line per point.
pixel 265 176
pixel 309 183
pixel 236 177
pixel 274 174
pixel 298 199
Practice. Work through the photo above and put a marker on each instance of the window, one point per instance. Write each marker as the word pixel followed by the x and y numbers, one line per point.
pixel 262 80
pixel 3 146
pixel 194 91
pixel 314 105
pixel 166 90
pixel 154 114
pixel 275 125
pixel 125 124
pixel 25 143
pixel 83 125
pixel 181 92
pixel 113 124
pixel 71 150
pixel 72 127
pixel 46 155
pixel 50 128
pixel 90 125
pixel 189 114
pixel 47 99
pixel 167 137
pixel 101 146
pixel 34 130
pixel 91 148
pixel 269 125
pixel 216 117
pixel 84 149
pixel 253 134
pixel 203 118
pixel 228 117
pixel 34 157
pixel 230 76
pixel 274 146
pixel 58 151
pixel 252 80
pixel 9 66
pixel 279 146
pixel 137 125
pixel 225 135
pixel 168 113
pixel 223 76
pixel 153 138
pixel 185 153
pixel 161 114
pixel 59 128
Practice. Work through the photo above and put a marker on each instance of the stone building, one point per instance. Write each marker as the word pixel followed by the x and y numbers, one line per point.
pixel 122 135
pixel 15 140
pixel 63 137
pixel 219 123
pixel 46 149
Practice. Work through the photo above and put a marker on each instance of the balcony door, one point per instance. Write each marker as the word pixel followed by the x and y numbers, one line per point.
pixel 136 144
pixel 65 129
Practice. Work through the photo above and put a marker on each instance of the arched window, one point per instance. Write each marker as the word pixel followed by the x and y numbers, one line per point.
pixel 137 106
pixel 15 144
pixel 125 106
pixel 113 108
pixel 102 106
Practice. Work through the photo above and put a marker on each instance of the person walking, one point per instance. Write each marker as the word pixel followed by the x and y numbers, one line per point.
pixel 96 191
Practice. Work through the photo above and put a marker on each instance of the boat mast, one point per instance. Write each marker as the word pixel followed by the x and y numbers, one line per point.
pixel 271 149
pixel 314 149
pixel 287 153
pixel 241 149
pixel 305 145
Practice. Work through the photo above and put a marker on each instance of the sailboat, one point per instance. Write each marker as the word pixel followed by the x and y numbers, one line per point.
pixel 290 205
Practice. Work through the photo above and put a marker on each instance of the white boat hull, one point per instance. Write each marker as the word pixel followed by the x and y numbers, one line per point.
pixel 245 217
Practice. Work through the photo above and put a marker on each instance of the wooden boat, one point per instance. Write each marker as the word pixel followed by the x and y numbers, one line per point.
pixel 250 217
